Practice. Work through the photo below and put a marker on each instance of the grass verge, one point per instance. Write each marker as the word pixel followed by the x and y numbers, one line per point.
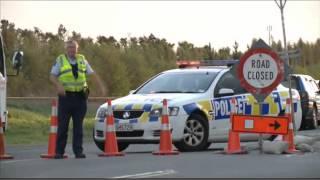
pixel 29 123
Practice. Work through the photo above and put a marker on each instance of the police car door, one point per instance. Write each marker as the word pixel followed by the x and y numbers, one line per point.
pixel 226 88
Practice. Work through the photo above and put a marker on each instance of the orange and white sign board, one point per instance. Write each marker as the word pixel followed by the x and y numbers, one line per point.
pixel 260 124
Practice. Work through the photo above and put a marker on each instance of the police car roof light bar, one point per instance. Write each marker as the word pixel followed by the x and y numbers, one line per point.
pixel 188 63
pixel 198 63
pixel 227 62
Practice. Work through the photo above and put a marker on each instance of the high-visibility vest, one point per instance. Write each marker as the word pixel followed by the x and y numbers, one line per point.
pixel 66 77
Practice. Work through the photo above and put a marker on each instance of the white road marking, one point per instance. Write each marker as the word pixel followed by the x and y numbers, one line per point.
pixel 148 174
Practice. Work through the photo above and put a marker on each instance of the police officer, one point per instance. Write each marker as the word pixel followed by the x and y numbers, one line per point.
pixel 68 75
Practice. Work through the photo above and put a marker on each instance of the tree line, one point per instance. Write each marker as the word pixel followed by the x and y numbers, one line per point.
pixel 121 64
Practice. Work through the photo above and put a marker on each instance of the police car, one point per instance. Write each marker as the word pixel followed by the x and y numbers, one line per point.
pixel 199 103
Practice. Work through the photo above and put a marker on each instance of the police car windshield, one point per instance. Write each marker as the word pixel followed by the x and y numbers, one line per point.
pixel 174 82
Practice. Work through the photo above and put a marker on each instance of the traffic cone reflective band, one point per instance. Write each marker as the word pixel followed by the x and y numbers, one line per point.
pixel 288 107
pixel 234 138
pixel 3 154
pixel 165 147
pixel 110 144
pixel 53 132
pixel 290 136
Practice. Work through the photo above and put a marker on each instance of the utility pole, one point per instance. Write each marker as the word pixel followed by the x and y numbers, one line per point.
pixel 269 28
pixel 281 4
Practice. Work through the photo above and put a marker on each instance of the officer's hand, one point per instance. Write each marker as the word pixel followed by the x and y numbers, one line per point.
pixel 61 90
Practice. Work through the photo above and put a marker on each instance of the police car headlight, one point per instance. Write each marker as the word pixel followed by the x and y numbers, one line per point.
pixel 102 112
pixel 173 111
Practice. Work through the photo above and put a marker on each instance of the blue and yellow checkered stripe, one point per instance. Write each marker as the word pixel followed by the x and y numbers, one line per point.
pixel 204 105
pixel 147 108
pixel 221 107
pixel 271 106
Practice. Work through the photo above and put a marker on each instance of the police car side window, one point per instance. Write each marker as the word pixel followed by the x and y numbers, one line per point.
pixel 230 82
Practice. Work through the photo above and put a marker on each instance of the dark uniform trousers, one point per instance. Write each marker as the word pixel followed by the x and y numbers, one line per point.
pixel 73 105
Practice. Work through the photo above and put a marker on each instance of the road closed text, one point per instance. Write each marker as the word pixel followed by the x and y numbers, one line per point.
pixel 260 70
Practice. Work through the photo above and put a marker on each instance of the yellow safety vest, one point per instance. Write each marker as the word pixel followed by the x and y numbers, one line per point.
pixel 69 82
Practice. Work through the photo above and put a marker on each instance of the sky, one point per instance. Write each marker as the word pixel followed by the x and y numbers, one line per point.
pixel 220 23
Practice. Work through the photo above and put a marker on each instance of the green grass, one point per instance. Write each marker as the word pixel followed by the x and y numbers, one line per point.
pixel 29 122
pixel 312 70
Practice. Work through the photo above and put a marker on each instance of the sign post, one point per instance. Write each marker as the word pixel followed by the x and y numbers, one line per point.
pixel 260 134
pixel 260 70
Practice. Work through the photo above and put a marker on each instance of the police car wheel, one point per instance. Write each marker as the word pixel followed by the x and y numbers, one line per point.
pixel 314 120
pixel 208 145
pixel 195 134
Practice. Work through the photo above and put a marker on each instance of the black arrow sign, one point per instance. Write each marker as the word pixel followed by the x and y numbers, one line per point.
pixel 276 125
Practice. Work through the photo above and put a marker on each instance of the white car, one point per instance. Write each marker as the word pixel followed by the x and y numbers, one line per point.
pixel 17 64
pixel 199 102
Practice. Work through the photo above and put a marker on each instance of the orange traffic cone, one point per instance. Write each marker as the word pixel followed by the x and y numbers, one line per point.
pixel 165 134
pixel 234 138
pixel 290 136
pixel 53 133
pixel 3 154
pixel 110 143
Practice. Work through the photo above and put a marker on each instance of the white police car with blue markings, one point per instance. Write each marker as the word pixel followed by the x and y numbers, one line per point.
pixel 199 102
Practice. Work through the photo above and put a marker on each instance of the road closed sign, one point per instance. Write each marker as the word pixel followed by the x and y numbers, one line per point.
pixel 260 70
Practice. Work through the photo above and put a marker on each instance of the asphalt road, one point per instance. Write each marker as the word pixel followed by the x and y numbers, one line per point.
pixel 139 162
